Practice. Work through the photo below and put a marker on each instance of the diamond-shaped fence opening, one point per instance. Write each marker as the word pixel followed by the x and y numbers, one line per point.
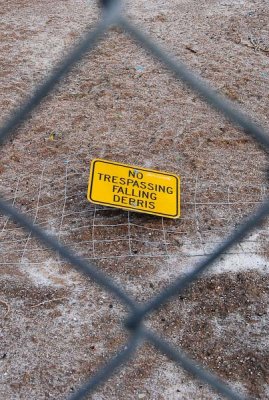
pixel 129 244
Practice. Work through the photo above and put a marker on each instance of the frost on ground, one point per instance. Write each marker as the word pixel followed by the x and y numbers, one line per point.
pixel 57 328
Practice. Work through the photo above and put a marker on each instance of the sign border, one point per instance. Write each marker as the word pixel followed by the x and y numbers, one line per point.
pixel 90 186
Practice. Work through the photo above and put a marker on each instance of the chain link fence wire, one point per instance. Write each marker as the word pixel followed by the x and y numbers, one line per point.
pixel 112 15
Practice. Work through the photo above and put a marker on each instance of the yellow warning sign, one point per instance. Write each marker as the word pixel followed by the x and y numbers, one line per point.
pixel 134 188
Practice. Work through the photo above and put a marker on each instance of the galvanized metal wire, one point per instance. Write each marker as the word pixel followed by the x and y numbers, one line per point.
pixel 112 14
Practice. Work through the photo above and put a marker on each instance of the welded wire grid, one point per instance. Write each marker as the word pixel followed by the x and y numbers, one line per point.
pixel 135 239
pixel 100 233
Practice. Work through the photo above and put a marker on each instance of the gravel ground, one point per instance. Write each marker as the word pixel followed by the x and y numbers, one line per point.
pixel 120 104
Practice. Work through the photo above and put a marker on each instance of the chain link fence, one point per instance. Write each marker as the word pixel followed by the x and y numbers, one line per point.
pixel 112 15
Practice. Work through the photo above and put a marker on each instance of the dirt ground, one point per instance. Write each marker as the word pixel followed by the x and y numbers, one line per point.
pixel 57 328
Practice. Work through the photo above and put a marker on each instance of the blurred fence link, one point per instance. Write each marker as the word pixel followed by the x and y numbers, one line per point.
pixel 112 15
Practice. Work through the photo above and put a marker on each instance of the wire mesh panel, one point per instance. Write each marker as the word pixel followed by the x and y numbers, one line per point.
pixel 57 215
pixel 98 232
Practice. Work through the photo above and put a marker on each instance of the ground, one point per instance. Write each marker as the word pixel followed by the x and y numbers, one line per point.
pixel 57 327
